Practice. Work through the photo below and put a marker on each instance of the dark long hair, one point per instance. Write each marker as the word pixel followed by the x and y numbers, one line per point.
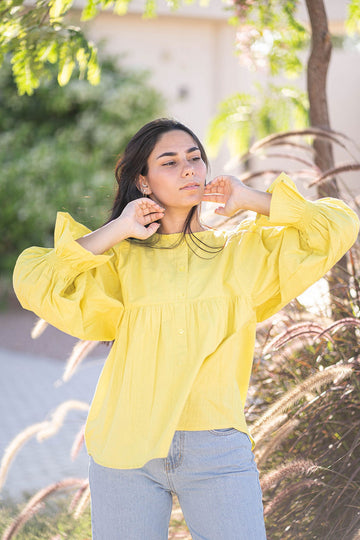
pixel 134 162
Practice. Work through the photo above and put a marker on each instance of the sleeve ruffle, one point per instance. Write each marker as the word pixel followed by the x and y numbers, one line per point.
pixel 68 252
pixel 288 206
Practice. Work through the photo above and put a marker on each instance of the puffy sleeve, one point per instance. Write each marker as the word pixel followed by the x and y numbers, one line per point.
pixel 72 289
pixel 293 247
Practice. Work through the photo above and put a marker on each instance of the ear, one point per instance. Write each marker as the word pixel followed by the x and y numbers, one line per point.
pixel 142 185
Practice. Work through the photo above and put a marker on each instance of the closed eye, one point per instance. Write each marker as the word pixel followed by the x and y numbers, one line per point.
pixel 168 163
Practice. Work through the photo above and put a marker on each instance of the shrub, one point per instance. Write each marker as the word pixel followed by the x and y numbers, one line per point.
pixel 58 148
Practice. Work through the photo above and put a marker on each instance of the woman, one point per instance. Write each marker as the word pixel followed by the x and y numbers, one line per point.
pixel 181 303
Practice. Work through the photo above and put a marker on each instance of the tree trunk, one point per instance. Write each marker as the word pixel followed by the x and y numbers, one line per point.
pixel 319 117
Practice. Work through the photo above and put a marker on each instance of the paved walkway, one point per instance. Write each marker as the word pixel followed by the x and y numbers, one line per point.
pixel 30 372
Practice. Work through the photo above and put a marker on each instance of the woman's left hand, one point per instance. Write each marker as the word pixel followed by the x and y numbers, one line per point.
pixel 235 195
pixel 226 190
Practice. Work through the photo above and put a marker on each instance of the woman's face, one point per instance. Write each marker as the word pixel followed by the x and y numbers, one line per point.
pixel 176 172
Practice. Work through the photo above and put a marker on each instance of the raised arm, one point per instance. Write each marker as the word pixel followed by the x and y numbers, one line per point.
pixel 131 223
pixel 278 257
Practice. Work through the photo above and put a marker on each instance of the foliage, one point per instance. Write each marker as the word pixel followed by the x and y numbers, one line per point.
pixel 58 148
pixel 271 38
pixel 41 34
pixel 270 35
pixel 243 118
pixel 353 19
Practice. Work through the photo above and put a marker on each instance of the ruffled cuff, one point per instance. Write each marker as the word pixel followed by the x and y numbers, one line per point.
pixel 288 206
pixel 70 253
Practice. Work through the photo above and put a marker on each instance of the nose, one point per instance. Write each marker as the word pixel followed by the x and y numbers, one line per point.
pixel 188 170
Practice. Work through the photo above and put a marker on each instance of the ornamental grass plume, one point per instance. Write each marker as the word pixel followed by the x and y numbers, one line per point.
pixel 269 426
pixel 79 352
pixel 266 449
pixel 329 375
pixel 296 331
pixel 77 497
pixel 78 443
pixel 83 503
pixel 59 416
pixel 42 430
pixel 299 467
pixel 39 328
pixel 35 503
pixel 15 445
pixel 289 492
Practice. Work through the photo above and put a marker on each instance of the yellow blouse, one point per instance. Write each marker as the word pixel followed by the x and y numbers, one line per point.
pixel 184 326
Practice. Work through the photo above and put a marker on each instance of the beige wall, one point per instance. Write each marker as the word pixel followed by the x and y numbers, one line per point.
pixel 190 55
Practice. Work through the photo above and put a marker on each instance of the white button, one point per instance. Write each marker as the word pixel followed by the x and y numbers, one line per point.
pixel 181 330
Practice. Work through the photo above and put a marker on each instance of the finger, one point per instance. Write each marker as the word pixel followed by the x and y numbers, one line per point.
pixel 213 197
pixel 152 228
pixel 149 204
pixel 215 188
pixel 154 216
pixel 221 211
pixel 217 181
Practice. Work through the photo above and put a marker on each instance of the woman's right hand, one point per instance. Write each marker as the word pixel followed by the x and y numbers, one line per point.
pixel 131 223
pixel 137 214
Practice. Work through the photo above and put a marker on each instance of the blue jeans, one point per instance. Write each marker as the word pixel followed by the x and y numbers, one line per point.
pixel 214 476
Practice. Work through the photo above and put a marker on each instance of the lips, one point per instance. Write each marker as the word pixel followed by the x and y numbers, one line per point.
pixel 191 185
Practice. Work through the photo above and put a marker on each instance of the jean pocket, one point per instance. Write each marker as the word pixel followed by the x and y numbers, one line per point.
pixel 223 431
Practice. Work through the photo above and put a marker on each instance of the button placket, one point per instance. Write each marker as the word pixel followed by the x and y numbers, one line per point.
pixel 180 294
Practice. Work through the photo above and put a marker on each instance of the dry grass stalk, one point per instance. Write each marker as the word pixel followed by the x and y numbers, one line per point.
pixel 43 430
pixel 76 498
pixel 83 502
pixel 316 132
pixel 299 467
pixel 312 383
pixel 78 443
pixel 14 447
pixel 38 328
pixel 264 451
pixel 295 331
pixel 356 536
pixel 79 352
pixel 35 503
pixel 59 416
pixel 288 493
pixel 347 321
pixel 269 427
pixel 346 167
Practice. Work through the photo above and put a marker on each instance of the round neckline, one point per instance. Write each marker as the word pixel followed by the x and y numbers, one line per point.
pixel 172 238
pixel 180 233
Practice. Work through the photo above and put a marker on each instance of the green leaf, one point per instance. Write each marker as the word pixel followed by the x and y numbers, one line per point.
pixel 66 71
pixel 93 73
pixel 121 7
pixel 352 24
pixel 90 10
pixel 58 8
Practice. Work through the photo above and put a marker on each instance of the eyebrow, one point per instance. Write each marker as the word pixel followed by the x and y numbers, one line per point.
pixel 192 149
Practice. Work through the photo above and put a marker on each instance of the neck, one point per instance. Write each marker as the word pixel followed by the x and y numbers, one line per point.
pixel 174 222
